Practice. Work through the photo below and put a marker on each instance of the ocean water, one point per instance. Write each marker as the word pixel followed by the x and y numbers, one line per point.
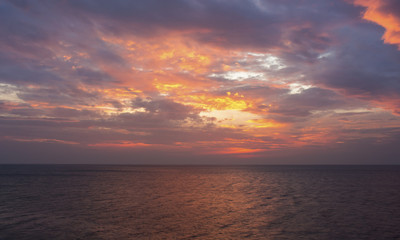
pixel 199 202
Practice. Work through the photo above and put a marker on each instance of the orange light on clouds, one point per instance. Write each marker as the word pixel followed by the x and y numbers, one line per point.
pixel 120 93
pixel 266 123
pixel 236 150
pixel 375 14
pixel 168 53
pixel 166 88
pixel 210 102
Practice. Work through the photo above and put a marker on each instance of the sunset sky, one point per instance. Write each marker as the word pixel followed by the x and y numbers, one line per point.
pixel 200 81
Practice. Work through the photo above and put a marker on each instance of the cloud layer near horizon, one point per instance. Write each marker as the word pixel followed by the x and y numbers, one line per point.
pixel 191 81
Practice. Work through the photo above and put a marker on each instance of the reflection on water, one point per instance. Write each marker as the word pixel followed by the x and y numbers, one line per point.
pixel 130 202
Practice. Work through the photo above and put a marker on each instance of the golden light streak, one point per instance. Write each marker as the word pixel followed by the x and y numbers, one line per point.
pixel 43 140
pixel 236 150
pixel 266 123
pixel 210 102
pixel 121 144
pixel 120 93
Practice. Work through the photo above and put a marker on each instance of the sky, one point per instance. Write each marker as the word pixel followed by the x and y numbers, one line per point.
pixel 200 81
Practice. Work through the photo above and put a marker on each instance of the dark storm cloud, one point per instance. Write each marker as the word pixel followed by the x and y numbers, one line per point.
pixel 238 21
pixel 165 109
pixel 151 128
pixel 252 24
pixel 36 28
pixel 19 26
pixel 34 35
pixel 391 7
pixel 301 105
pixel 362 66
pixel 92 77
pixel 22 71
pixel 72 113
pixel 27 112
pixel 109 57
pixel 63 95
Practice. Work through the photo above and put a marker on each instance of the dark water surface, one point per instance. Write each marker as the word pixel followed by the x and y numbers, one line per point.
pixel 258 202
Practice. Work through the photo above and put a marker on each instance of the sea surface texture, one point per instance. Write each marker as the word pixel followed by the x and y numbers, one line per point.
pixel 184 202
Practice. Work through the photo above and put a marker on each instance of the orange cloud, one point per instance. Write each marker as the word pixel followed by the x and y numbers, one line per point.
pixel 266 123
pixel 120 93
pixel 169 53
pixel 236 150
pixel 210 102
pixel 390 22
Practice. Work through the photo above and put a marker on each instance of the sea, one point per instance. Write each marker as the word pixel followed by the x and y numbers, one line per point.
pixel 199 202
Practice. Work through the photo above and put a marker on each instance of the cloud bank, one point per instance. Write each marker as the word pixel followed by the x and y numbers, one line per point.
pixel 200 82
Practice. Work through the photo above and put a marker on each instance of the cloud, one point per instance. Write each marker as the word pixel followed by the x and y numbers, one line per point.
pixel 386 14
pixel 198 78
pixel 302 105
pixel 365 69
